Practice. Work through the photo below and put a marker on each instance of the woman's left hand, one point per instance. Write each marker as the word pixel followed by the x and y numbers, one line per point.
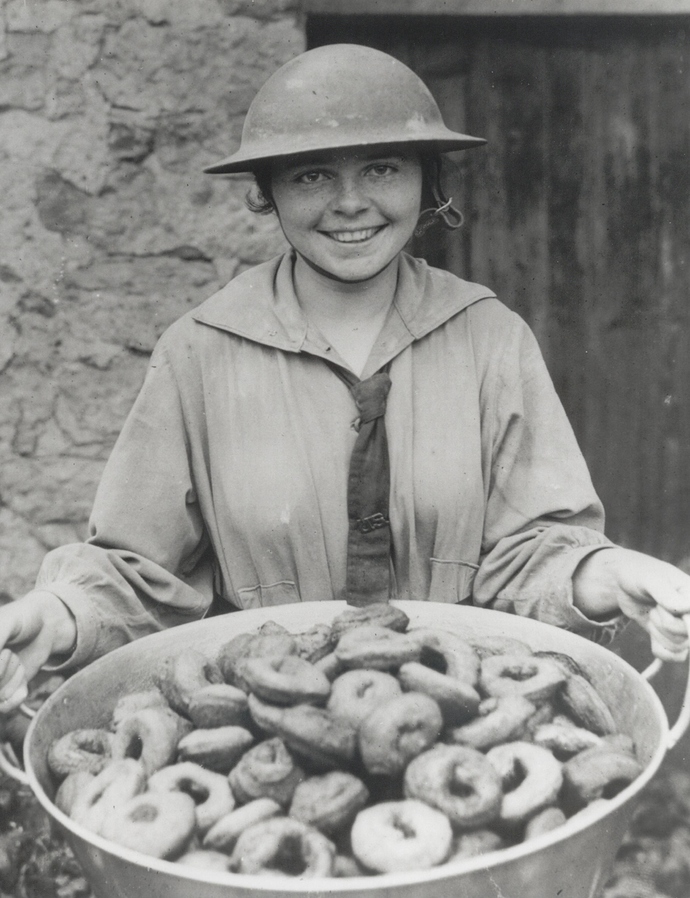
pixel 654 593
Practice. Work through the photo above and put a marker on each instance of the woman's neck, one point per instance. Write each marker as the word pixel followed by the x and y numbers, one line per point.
pixel 349 315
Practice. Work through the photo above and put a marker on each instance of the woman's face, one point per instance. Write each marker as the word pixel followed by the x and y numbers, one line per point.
pixel 349 213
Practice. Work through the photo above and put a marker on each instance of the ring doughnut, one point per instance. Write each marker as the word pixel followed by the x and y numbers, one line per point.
pixel 269 639
pixel 537 679
pixel 596 773
pixel 217 749
pixel 564 739
pixel 500 720
pixel 475 843
pixel 223 835
pixel 401 835
pixel 183 674
pixel 285 680
pixel 398 731
pixel 489 644
pixel 217 705
pixel 544 822
pixel 459 781
pixel 376 648
pixel 356 693
pixel 71 788
pixel 457 699
pixel 137 701
pixel 267 770
pixel 531 778
pixel 330 666
pixel 205 859
pixel 87 749
pixel 586 707
pixel 114 785
pixel 160 824
pixel 150 735
pixel 315 643
pixel 210 791
pixel 379 614
pixel 313 733
pixel 329 802
pixel 283 846
pixel 447 653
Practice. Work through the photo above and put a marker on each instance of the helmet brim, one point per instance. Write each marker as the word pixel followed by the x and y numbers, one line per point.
pixel 246 160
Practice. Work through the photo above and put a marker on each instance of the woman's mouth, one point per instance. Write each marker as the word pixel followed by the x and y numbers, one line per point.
pixel 358 236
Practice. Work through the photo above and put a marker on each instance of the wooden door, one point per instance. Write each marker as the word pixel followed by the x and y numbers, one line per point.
pixel 578 215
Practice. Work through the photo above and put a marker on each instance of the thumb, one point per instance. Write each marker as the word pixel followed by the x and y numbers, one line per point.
pixel 14 687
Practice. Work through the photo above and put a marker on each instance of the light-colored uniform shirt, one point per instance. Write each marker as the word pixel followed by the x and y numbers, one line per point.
pixel 230 475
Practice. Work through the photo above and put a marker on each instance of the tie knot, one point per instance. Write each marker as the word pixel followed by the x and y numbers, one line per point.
pixel 370 396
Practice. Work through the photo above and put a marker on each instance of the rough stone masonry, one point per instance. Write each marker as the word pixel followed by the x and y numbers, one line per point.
pixel 109 110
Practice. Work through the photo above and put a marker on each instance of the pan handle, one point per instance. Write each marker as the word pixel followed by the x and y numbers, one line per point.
pixel 9 763
pixel 679 728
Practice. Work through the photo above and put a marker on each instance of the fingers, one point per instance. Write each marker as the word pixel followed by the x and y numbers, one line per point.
pixel 13 682
pixel 669 635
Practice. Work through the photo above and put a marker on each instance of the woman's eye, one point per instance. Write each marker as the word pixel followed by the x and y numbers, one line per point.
pixel 382 168
pixel 310 177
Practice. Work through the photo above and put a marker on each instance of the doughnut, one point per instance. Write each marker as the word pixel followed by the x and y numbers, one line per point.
pixel 356 693
pixel 447 653
pixel 378 614
pixel 498 645
pixel 600 772
pixel 500 720
pixel 563 739
pixel 210 791
pixel 568 664
pixel 283 846
pixel 531 778
pixel 537 679
pixel 160 824
pixel 269 639
pixel 223 835
pixel 150 735
pixel 217 749
pixel 313 733
pixel 137 701
pixel 376 648
pixel 315 643
pixel 285 680
pixel 585 706
pixel 71 788
pixel 397 836
pixel 398 731
pixel 183 674
pixel 457 699
pixel 114 785
pixel 543 822
pixel 205 859
pixel 329 802
pixel 330 665
pixel 267 770
pixel 345 866
pixel 86 749
pixel 459 781
pixel 217 705
pixel 475 843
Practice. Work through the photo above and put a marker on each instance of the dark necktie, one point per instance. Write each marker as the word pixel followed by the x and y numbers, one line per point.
pixel 368 492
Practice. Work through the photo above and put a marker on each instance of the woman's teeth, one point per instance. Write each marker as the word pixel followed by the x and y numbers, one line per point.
pixel 353 236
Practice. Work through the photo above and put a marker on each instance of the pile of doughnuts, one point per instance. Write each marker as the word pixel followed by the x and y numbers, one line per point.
pixel 352 749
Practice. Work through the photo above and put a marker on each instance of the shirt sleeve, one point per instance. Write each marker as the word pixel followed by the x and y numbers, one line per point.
pixel 543 516
pixel 146 564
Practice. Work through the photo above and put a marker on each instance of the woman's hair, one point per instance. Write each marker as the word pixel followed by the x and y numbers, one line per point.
pixel 259 197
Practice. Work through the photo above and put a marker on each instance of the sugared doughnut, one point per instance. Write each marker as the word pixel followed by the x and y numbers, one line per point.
pixel 500 720
pixel 329 802
pixel 356 693
pixel 160 824
pixel 217 749
pixel 223 835
pixel 531 778
pixel 536 679
pixel 285 680
pixel 267 770
pixel 398 731
pixel 137 701
pixel 85 749
pixel 284 846
pixel 447 653
pixel 397 836
pixel 459 781
pixel 114 785
pixel 151 736
pixel 210 791
pixel 457 699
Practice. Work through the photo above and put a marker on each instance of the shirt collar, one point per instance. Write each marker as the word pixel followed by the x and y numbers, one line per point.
pixel 260 304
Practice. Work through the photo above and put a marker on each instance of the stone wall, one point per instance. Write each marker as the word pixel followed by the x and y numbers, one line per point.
pixel 109 109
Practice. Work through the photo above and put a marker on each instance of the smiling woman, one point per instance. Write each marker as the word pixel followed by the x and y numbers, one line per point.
pixel 344 421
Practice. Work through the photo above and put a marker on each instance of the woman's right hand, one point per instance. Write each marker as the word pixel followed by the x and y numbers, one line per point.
pixel 32 629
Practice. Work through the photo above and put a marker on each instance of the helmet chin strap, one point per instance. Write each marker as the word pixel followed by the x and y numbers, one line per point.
pixel 452 217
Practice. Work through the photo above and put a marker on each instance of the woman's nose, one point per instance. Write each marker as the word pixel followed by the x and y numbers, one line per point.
pixel 350 198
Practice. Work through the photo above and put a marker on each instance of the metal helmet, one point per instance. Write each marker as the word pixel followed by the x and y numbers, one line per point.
pixel 338 96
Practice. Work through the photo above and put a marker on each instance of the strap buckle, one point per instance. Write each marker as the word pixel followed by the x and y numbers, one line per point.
pixel 372 522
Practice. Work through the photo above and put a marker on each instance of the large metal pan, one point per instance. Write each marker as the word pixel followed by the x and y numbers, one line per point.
pixel 570 862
